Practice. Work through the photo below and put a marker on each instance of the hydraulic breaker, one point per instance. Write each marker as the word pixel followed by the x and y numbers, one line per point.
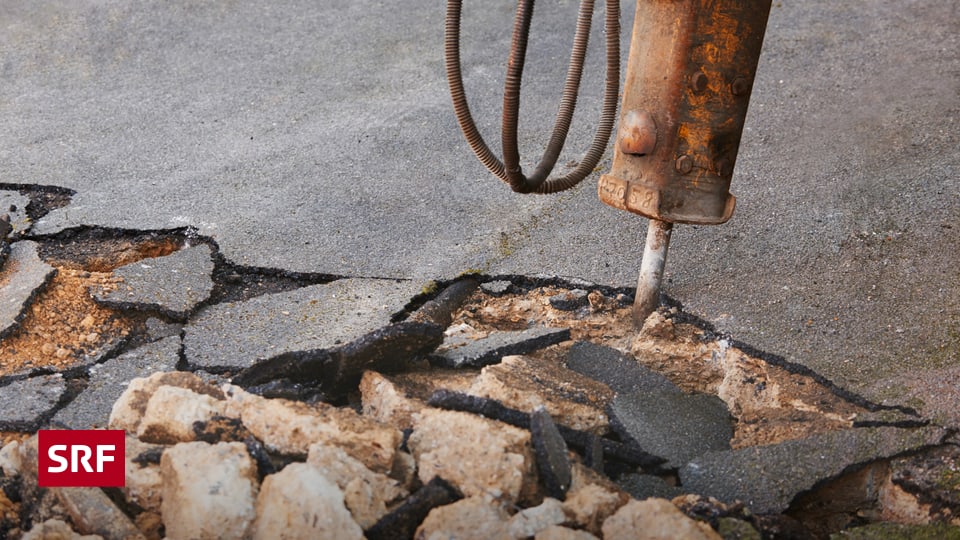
pixel 689 77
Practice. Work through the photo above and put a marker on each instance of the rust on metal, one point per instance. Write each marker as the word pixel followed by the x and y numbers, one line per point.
pixel 691 66
pixel 638 133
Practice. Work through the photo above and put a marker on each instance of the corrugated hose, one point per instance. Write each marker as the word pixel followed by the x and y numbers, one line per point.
pixel 509 170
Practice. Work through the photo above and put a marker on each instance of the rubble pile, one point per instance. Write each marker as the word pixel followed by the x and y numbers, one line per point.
pixel 260 406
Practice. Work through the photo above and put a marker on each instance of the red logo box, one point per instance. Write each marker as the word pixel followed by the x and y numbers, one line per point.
pixel 81 458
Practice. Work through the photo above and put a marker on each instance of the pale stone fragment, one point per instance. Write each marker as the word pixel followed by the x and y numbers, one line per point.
pixel 208 490
pixel 472 518
pixel 55 529
pixel 143 483
pixel 480 457
pixel 299 502
pixel 171 413
pixel 128 410
pixel 386 402
pixel 655 519
pixel 556 532
pixel 10 461
pixel 365 492
pixel 591 499
pixel 530 521
pixel 290 427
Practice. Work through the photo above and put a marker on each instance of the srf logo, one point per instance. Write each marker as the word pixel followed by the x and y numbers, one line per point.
pixel 81 458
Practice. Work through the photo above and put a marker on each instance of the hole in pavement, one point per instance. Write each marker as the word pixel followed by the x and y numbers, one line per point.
pixel 43 199
pixel 770 401
pixel 234 283
pixel 64 327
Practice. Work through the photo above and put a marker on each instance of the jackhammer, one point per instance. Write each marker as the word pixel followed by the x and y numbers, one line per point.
pixel 689 76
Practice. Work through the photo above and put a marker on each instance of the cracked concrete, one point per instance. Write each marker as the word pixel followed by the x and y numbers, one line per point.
pixel 232 335
pixel 314 317
pixel 336 153
pixel 173 285
pixel 22 275
pixel 106 381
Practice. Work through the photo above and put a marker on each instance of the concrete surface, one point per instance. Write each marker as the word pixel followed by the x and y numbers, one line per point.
pixel 319 138
pixel 173 285
pixel 107 381
pixel 236 334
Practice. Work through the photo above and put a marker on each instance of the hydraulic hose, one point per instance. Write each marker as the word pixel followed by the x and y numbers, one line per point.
pixel 509 170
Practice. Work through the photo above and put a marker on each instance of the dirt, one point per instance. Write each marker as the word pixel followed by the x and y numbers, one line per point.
pixel 98 250
pixel 769 403
pixel 64 326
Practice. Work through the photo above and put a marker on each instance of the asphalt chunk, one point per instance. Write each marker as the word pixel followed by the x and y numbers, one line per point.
pixel 767 478
pixel 22 277
pixel 551 453
pixel 463 352
pixel 318 317
pixel 173 285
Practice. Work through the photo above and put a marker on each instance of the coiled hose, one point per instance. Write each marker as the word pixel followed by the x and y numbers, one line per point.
pixel 509 170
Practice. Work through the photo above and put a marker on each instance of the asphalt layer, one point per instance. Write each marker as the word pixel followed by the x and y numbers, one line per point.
pixel 320 139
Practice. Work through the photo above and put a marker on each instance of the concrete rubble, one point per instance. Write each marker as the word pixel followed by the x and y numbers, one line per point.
pixel 207 458
pixel 336 488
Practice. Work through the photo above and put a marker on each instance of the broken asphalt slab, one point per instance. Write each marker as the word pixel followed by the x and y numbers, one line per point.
pixel 767 478
pixel 22 277
pixel 320 139
pixel 25 403
pixel 173 285
pixel 91 408
pixel 621 372
pixel 673 425
pixel 237 334
pixel 465 351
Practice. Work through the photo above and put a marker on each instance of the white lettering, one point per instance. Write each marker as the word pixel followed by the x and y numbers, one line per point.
pixel 101 457
pixel 82 460
pixel 52 454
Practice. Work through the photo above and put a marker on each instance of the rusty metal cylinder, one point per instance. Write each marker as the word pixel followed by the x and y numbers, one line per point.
pixel 689 78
